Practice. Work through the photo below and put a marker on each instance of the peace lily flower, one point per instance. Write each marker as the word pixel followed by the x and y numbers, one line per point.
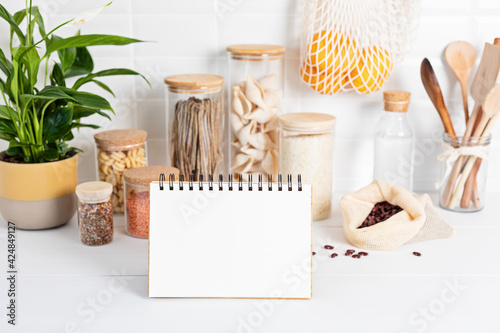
pixel 88 15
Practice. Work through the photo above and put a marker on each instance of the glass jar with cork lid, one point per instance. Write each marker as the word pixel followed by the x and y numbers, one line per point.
pixel 394 141
pixel 137 182
pixel 306 149
pixel 95 212
pixel 256 81
pixel 118 150
pixel 195 124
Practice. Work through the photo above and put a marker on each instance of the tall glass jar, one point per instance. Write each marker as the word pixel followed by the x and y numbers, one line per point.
pixel 137 182
pixel 306 149
pixel 95 212
pixel 465 192
pixel 256 81
pixel 118 150
pixel 394 141
pixel 195 124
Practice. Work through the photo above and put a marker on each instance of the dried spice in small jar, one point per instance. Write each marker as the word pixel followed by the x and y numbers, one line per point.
pixel 95 212
pixel 119 150
pixel 137 182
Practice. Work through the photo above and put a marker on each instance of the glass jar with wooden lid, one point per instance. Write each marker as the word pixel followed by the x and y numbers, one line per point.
pixel 137 182
pixel 195 124
pixel 256 81
pixel 306 143
pixel 95 212
pixel 118 150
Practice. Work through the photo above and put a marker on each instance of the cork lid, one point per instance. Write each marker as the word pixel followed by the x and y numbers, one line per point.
pixel 94 191
pixel 146 175
pixel 194 81
pixel 256 49
pixel 121 137
pixel 309 122
pixel 396 100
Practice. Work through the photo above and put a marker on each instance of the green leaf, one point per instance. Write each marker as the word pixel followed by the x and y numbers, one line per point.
pixel 57 76
pixel 6 137
pixel 82 112
pixel 5 64
pixel 66 55
pixel 50 155
pixel 89 40
pixel 6 111
pixel 49 93
pixel 87 99
pixel 14 151
pixel 7 17
pixel 7 127
pixel 39 20
pixel 103 86
pixel 107 72
pixel 83 63
pixel 28 56
pixel 78 125
pixel 57 124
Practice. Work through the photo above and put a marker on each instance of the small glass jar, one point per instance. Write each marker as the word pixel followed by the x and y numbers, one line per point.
pixel 256 81
pixel 95 212
pixel 195 124
pixel 137 182
pixel 464 191
pixel 118 150
pixel 306 149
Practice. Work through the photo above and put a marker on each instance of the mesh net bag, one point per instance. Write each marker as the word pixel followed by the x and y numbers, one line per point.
pixel 353 44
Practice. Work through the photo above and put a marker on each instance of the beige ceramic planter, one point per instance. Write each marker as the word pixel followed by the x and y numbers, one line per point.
pixel 38 196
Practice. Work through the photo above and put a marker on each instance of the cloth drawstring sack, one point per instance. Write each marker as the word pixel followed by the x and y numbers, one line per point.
pixel 418 221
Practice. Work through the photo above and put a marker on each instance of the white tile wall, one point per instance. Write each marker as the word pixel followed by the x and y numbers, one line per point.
pixel 190 36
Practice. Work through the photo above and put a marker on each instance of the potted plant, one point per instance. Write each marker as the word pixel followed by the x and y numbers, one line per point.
pixel 38 171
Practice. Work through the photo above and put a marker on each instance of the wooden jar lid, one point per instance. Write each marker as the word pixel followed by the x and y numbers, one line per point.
pixel 94 191
pixel 194 81
pixel 256 49
pixel 146 175
pixel 396 100
pixel 309 122
pixel 121 137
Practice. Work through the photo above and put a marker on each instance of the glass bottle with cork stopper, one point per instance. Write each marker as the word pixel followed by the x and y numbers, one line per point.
pixel 137 182
pixel 256 81
pixel 95 212
pixel 395 141
pixel 195 124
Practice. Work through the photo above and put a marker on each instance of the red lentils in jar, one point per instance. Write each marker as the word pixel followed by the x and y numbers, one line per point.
pixel 137 182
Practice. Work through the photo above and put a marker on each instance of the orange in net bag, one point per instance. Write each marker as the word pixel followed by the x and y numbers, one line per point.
pixel 353 44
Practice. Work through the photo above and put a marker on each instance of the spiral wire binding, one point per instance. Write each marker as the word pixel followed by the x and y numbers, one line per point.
pixel 162 179
pixel 171 180
pixel 211 182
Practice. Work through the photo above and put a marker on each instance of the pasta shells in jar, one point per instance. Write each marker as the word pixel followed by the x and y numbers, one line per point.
pixel 117 151
pixel 256 80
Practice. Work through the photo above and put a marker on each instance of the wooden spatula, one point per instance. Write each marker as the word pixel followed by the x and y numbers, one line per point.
pixel 483 82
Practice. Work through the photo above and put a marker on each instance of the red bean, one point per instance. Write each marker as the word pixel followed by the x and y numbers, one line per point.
pixel 328 247
pixel 357 256
pixel 334 255
pixel 348 253
pixel 363 253
pixel 418 254
pixel 351 251
pixel 314 253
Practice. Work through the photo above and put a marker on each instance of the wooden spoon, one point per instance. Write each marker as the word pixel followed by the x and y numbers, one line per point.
pixel 461 56
pixel 433 89
pixel 483 82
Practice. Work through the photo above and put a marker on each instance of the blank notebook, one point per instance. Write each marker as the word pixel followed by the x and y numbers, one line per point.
pixel 230 240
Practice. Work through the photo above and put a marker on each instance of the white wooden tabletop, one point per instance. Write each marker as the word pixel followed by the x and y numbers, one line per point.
pixel 64 286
